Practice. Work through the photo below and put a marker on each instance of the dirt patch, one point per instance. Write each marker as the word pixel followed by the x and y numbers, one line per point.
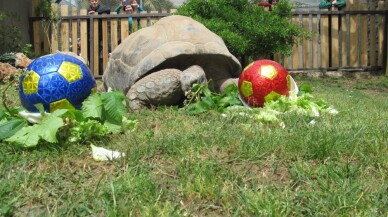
pixel 263 173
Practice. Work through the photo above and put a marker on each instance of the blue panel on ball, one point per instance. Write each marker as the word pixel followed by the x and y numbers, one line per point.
pixel 46 65
pixel 29 101
pixel 52 87
pixel 78 91
pixel 86 71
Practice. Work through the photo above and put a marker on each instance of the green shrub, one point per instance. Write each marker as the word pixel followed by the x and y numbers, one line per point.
pixel 10 34
pixel 247 30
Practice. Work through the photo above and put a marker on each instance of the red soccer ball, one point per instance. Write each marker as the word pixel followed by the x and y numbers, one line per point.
pixel 263 81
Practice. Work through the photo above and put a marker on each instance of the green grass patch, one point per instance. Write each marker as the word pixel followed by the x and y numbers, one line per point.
pixel 210 165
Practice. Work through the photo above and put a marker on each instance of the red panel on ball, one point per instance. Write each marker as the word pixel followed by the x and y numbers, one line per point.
pixel 261 81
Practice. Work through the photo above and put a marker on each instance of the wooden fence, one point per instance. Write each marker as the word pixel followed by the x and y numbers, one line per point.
pixel 341 40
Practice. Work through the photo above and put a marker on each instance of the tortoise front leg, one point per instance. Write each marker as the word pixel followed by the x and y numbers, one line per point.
pixel 159 88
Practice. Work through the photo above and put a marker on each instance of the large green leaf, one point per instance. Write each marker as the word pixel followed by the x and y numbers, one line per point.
pixel 92 106
pixel 9 128
pixel 46 130
pixel 113 106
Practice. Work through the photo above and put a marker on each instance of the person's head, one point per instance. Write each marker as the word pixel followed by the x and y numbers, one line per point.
pixel 127 7
pixel 94 3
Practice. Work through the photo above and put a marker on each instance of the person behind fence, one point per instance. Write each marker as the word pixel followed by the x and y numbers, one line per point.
pixel 329 4
pixel 129 7
pixel 96 8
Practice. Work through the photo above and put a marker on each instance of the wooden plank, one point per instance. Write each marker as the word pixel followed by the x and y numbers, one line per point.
pixel 382 5
pixel 344 41
pixel 143 20
pixel 356 5
pixel 64 29
pixel 74 33
pixel 301 45
pixel 295 49
pixel 334 41
pixel 373 40
pixel 84 36
pixel 278 58
pixel 307 44
pixel 324 36
pixel 105 48
pixel 34 3
pixel 380 42
pixel 340 40
pixel 135 25
pixel 113 32
pixel 124 27
pixel 314 44
pixel 363 40
pixel 54 41
pixel 35 29
pixel 318 45
pixel 96 46
pixel 46 42
pixel 36 26
pixel 154 19
pixel 354 43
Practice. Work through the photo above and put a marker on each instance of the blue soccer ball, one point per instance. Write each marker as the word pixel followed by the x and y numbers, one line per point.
pixel 57 81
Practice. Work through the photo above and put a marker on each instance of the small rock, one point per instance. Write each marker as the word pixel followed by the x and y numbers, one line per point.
pixel 22 61
pixel 6 70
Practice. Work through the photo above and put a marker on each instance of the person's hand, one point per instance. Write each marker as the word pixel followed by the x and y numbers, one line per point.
pixel 91 12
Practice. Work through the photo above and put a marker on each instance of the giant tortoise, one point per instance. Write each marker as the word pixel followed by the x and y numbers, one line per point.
pixel 157 65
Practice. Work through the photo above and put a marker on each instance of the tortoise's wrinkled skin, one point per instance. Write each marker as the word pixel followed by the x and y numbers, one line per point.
pixel 158 64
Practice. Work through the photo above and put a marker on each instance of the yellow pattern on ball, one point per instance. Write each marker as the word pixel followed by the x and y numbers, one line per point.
pixel 268 71
pixel 288 82
pixel 30 83
pixel 246 67
pixel 70 71
pixel 272 96
pixel 246 88
pixel 61 104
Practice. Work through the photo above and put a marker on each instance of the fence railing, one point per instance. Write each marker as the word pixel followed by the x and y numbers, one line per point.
pixel 341 40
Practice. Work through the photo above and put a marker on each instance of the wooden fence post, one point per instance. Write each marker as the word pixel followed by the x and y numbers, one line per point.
pixel 54 30
pixel 95 44
pixel 113 30
pixel 74 32
pixel 36 28
pixel 64 29
pixel 84 36
pixel 105 45
pixel 124 28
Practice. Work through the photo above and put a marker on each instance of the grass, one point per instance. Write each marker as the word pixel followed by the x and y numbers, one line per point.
pixel 210 165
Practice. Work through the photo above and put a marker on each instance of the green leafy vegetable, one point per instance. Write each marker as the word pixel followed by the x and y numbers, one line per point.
pixel 9 128
pixel 30 136
pixel 113 106
pixel 201 99
pixel 92 106
pixel 101 114
pixel 87 130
